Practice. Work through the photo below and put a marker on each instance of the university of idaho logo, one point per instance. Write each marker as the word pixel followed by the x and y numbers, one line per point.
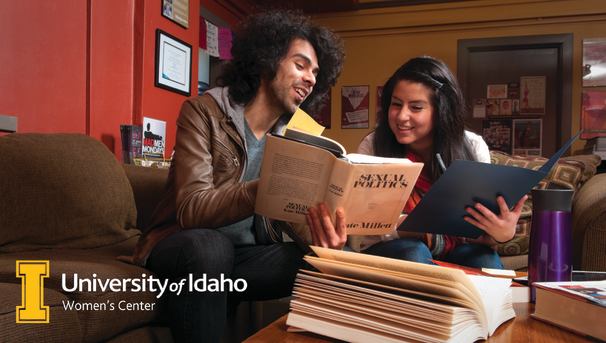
pixel 32 309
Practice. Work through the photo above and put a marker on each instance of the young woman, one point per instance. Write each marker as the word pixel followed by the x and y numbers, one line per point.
pixel 423 115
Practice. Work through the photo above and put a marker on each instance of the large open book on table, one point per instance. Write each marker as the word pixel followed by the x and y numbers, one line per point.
pixel 300 170
pixel 466 182
pixel 364 298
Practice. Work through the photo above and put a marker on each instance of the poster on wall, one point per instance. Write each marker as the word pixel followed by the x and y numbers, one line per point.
pixel 498 91
pixel 532 95
pixel 527 137
pixel 497 134
pixel 594 62
pixel 154 139
pixel 492 107
pixel 479 108
pixel 212 39
pixel 354 107
pixel 323 115
pixel 177 11
pixel 505 107
pixel 593 114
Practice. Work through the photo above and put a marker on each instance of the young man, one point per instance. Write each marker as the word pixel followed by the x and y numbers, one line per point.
pixel 205 225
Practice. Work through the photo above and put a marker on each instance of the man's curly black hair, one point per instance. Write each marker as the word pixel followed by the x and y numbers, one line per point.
pixel 261 41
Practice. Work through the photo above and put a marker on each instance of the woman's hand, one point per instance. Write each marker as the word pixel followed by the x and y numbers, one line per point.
pixel 502 227
pixel 323 232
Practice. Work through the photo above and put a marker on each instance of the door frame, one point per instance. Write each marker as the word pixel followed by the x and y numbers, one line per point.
pixel 563 43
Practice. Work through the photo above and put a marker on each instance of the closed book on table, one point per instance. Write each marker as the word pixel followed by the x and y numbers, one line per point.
pixel 574 305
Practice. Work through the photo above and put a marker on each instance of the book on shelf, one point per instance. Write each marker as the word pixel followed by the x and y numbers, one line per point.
pixel 579 306
pixel 154 138
pixel 132 141
pixel 466 182
pixel 300 170
pixel 366 298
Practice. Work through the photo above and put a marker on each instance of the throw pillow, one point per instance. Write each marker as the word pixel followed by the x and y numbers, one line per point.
pixel 62 191
pixel 569 172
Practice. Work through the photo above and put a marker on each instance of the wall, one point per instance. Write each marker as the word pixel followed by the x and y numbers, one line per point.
pixel 43 77
pixel 110 68
pixel 149 100
pixel 87 66
pixel 378 41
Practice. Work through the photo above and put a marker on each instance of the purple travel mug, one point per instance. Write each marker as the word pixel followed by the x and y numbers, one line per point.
pixel 550 250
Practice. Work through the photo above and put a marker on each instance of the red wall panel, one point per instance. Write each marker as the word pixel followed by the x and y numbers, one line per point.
pixel 152 101
pixel 111 70
pixel 43 59
pixel 88 66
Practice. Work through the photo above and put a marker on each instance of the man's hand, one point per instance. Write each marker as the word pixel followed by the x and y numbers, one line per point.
pixel 502 227
pixel 323 232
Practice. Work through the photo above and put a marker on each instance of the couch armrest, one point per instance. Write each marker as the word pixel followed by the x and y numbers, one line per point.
pixel 148 188
pixel 589 225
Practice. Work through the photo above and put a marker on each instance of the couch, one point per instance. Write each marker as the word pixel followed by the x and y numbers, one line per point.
pixel 588 210
pixel 65 198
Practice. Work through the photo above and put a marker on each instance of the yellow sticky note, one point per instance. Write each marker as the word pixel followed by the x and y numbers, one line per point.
pixel 302 121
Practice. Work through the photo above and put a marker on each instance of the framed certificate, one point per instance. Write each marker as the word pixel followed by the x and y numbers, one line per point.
pixel 173 63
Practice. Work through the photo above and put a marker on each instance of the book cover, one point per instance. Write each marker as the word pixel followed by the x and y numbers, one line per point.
pixel 463 184
pixel 299 171
pixel 153 138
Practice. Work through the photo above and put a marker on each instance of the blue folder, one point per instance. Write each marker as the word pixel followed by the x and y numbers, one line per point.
pixel 466 182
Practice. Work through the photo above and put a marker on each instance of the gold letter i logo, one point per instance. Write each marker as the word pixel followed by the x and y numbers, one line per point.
pixel 32 309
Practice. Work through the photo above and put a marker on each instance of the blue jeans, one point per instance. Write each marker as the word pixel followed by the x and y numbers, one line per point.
pixel 470 255
pixel 269 271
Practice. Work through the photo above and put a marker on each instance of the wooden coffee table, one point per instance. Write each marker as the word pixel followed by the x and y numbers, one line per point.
pixel 521 329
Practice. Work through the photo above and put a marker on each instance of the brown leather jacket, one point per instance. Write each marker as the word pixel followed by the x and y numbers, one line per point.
pixel 203 189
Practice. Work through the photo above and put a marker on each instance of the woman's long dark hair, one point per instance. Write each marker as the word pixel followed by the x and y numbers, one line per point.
pixel 448 105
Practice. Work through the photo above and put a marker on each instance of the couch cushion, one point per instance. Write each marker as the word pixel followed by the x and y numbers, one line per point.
pixel 148 186
pixel 62 191
pixel 569 172
pixel 64 326
pixel 96 325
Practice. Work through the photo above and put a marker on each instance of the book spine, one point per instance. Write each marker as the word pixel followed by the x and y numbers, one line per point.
pixel 131 136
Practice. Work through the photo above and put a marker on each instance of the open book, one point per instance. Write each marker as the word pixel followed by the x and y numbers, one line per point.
pixel 466 182
pixel 300 170
pixel 365 298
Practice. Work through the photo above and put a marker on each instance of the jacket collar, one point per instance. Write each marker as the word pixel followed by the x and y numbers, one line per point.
pixel 236 112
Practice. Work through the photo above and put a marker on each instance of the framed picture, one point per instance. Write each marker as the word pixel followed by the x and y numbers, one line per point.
pixel 532 95
pixel 594 62
pixel 527 137
pixel 354 107
pixel 496 91
pixel 173 63
pixel 593 114
pixel 177 11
